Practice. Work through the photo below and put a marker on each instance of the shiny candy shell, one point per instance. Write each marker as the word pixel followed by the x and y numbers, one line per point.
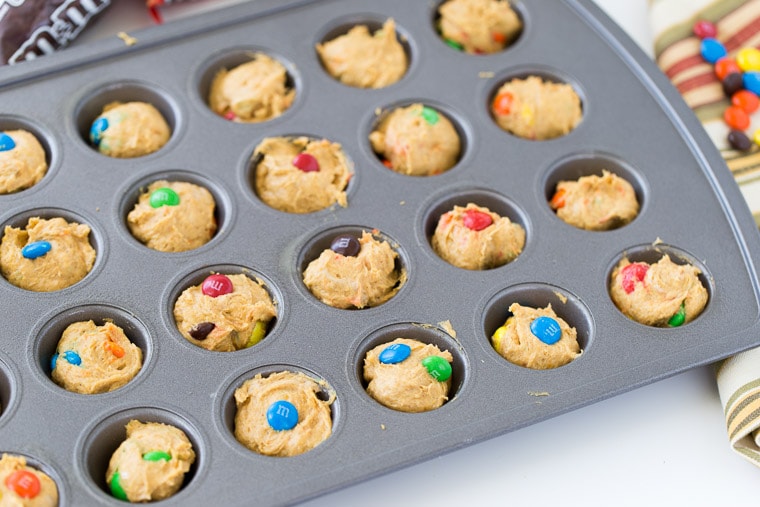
pixel 631 273
pixel 726 66
pixel 157 456
pixel 259 330
pixel 96 130
pixel 748 59
pixel 736 118
pixel 395 353
pixel 678 318
pixel 163 196
pixel 6 142
pixel 306 162
pixel 346 245
pixel 751 81
pixel 36 249
pixel 746 100
pixel 201 330
pixel 546 329
pixel 476 220
pixel 24 483
pixel 282 415
pixel 437 367
pixel 72 358
pixel 430 115
pixel 712 50
pixel 739 140
pixel 216 285
pixel 704 29
pixel 115 487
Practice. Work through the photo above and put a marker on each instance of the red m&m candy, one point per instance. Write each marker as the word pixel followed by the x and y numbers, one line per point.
pixel 216 285
pixel 704 29
pixel 476 220
pixel 631 273
pixel 306 162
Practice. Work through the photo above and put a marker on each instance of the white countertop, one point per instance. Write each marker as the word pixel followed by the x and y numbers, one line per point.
pixel 662 444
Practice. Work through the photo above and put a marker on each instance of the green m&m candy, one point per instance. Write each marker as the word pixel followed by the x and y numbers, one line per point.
pixel 116 489
pixel 157 456
pixel 163 196
pixel 437 367
pixel 679 317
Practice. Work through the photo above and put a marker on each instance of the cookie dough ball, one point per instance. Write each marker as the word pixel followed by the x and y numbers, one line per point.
pixel 474 237
pixel 225 313
pixel 417 141
pixel 252 92
pixel 151 463
pixel 408 375
pixel 22 161
pixel 50 254
pixel 365 60
pixel 301 175
pixel 93 359
pixel 355 273
pixel 282 414
pixel 536 338
pixel 479 26
pixel 173 216
pixel 664 294
pixel 596 203
pixel 25 486
pixel 535 109
pixel 130 129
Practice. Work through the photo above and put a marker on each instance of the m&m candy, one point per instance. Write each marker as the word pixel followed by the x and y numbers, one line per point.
pixel 476 220
pixel 430 115
pixel 216 285
pixel 201 330
pixel 163 196
pixel 96 130
pixel 157 456
pixel 36 249
pixel 712 50
pixel 346 245
pixel 736 118
pixel 751 82
pixel 437 367
pixel 72 358
pixel 748 59
pixel 633 272
pixel 6 142
pixel 115 487
pixel 259 330
pixel 395 353
pixel 306 162
pixel 705 29
pixel 24 483
pixel 282 415
pixel 746 100
pixel 546 329
pixel 726 66
pixel 679 317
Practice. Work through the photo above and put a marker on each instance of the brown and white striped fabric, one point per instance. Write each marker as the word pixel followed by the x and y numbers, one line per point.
pixel 677 53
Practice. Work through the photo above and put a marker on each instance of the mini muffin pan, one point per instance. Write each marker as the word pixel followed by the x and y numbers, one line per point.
pixel 634 124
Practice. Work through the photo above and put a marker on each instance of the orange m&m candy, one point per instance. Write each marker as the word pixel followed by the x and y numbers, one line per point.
pixel 24 483
pixel 746 100
pixel 502 103
pixel 736 118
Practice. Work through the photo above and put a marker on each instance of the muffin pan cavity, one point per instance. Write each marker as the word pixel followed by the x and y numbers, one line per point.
pixel 43 136
pixel 458 309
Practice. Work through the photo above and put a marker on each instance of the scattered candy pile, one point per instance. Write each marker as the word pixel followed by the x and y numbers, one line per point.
pixel 740 77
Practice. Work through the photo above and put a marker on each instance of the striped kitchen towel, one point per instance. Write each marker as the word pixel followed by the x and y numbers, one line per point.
pixel 677 52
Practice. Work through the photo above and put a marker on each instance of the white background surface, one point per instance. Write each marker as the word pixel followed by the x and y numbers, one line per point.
pixel 663 444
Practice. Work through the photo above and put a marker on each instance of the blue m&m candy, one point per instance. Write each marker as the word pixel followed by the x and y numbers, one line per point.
pixel 6 142
pixel 546 329
pixel 751 82
pixel 53 361
pixel 393 354
pixel 35 249
pixel 72 357
pixel 282 415
pixel 712 50
pixel 96 130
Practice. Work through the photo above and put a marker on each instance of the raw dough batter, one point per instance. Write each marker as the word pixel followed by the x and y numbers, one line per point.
pixel 256 395
pixel 365 60
pixel 474 237
pixel 535 109
pixel 174 228
pixel 664 294
pixel 130 129
pixel 596 203
pixel 516 342
pixel 368 279
pixel 22 161
pixel 37 488
pixel 284 186
pixel 151 463
pixel 69 259
pixel 417 141
pixel 406 386
pixel 479 26
pixel 239 318
pixel 252 92
pixel 106 358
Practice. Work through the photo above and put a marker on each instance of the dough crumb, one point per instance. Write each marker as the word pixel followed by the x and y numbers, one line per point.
pixel 538 393
pixel 446 326
pixel 128 39
pixel 486 74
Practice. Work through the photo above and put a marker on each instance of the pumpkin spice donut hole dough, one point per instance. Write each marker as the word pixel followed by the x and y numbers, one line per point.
pixel 596 203
pixel 24 486
pixel 151 463
pixel 23 161
pixel 173 216
pixel 253 91
pixel 397 377
pixel 663 294
pixel 48 255
pixel 416 140
pixel 479 26
pixel 92 359
pixel 301 175
pixel 535 109
pixel 474 237
pixel 365 278
pixel 363 59
pixel 225 313
pixel 283 414
pixel 536 338
pixel 129 129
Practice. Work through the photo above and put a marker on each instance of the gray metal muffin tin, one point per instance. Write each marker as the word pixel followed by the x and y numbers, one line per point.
pixel 634 124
